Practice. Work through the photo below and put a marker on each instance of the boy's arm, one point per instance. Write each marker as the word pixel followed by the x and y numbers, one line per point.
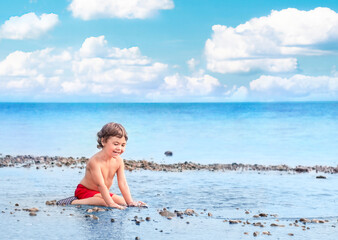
pixel 99 182
pixel 123 185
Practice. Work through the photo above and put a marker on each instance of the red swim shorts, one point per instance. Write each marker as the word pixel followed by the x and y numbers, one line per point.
pixel 82 192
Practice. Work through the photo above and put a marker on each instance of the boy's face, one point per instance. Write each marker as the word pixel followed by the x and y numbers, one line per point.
pixel 115 146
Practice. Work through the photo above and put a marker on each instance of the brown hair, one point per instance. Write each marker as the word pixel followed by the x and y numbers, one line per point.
pixel 110 130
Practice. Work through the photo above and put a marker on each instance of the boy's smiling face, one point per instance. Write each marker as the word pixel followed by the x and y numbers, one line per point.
pixel 115 146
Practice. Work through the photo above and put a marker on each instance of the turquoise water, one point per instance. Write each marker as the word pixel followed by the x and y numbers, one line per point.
pixel 264 133
pixel 227 195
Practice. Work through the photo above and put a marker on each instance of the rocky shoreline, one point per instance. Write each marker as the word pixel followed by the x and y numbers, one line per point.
pixel 131 165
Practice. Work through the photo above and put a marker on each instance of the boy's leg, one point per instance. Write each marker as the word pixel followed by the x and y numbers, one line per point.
pixel 119 200
pixel 97 201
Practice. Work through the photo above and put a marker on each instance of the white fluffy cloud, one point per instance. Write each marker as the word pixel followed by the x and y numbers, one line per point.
pixel 95 69
pixel 28 26
pixel 91 9
pixel 297 86
pixel 270 43
pixel 237 94
pixel 106 69
pixel 201 84
pixel 26 71
pixel 192 63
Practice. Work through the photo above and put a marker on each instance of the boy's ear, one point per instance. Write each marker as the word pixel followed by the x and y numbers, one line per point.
pixel 103 140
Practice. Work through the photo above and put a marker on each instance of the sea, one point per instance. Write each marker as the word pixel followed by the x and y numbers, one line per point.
pixel 263 133
pixel 297 133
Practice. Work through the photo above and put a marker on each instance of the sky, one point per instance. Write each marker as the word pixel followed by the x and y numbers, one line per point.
pixel 168 50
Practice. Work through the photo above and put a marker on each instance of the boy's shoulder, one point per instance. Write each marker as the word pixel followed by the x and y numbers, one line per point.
pixel 94 160
pixel 119 160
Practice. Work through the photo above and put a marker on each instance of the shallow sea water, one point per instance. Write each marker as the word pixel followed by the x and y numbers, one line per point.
pixel 227 195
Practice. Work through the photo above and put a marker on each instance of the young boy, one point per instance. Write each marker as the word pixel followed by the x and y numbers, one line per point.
pixel 100 171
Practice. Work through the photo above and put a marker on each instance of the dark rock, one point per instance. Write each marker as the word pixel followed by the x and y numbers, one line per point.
pixel 305 220
pixel 32 214
pixel 112 220
pixel 234 221
pixel 166 213
pixel 301 169
pixel 321 177
pixel 168 153
pixel 179 213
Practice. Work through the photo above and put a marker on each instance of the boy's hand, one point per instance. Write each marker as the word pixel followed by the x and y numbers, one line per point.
pixel 137 204
pixel 117 206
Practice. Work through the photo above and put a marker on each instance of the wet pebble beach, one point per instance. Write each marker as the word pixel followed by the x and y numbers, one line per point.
pixel 185 201
pixel 131 165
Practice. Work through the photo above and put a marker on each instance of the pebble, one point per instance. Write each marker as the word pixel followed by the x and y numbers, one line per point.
pixel 112 220
pixel 190 212
pixel 290 234
pixel 31 209
pixel 53 202
pixel 276 225
pixel 92 216
pixel 32 214
pixel 305 220
pixel 166 213
pixel 255 234
pixel 17 204
pixel 210 214
pixel 266 233
pixel 47 161
pixel 168 153
pixel 148 219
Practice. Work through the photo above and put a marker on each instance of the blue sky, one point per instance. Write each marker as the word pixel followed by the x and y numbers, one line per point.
pixel 168 51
